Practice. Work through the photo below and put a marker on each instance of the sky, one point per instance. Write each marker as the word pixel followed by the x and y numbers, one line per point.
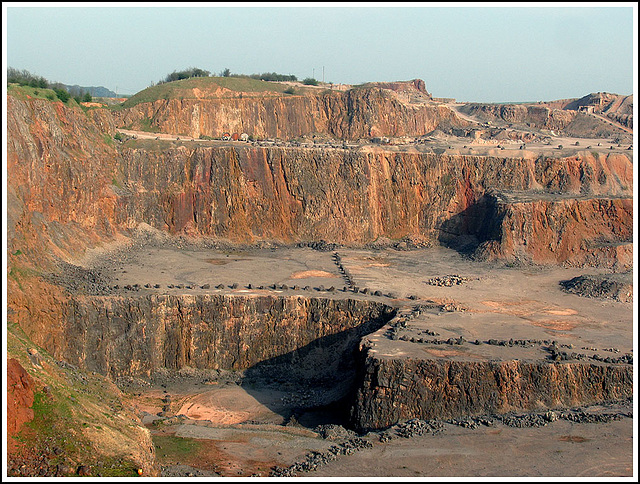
pixel 490 53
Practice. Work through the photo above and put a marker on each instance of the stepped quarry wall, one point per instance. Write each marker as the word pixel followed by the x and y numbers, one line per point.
pixel 391 390
pixel 134 336
pixel 578 231
pixel 354 197
pixel 70 188
pixel 536 116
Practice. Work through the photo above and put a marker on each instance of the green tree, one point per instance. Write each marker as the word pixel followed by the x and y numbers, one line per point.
pixel 62 94
pixel 226 72
pixel 87 97
pixel 186 74
pixel 25 78
pixel 310 81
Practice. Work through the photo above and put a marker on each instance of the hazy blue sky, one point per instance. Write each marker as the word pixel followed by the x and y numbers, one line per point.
pixel 472 54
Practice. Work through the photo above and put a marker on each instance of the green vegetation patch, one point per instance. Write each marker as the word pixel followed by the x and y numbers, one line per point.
pixel 19 274
pixel 175 448
pixel 65 402
pixel 146 125
pixel 21 92
pixel 107 139
pixel 184 87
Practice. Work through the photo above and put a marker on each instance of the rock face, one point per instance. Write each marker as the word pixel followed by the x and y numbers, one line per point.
pixel 357 113
pixel 61 165
pixel 570 231
pixel 70 188
pixel 533 115
pixel 137 335
pixel 295 194
pixel 403 86
pixel 393 390
pixel 574 117
pixel 20 387
pixel 614 106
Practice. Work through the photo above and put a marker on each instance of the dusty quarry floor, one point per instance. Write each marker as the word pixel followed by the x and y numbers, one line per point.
pixel 244 428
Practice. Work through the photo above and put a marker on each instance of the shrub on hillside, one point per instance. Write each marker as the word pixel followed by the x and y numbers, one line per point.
pixel 185 74
pixel 310 81
pixel 25 78
pixel 274 77
pixel 62 94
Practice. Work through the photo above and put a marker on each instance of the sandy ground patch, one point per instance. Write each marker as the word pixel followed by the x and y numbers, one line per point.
pixel 231 405
pixel 556 325
pixel 307 274
pixel 438 353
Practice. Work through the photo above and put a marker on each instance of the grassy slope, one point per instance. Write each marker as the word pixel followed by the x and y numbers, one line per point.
pixel 184 88
pixel 80 413
pixel 24 92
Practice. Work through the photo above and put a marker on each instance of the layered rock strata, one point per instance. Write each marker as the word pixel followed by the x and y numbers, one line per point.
pixel 354 114
pixel 133 336
pixel 69 191
pixel 577 231
pixel 392 390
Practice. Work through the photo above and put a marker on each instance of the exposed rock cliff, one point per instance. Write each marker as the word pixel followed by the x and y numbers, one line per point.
pixel 393 390
pixel 533 115
pixel 617 107
pixel 357 113
pixel 20 388
pixel 571 231
pixel 562 117
pixel 251 193
pixel 70 188
pixel 138 335
pixel 61 164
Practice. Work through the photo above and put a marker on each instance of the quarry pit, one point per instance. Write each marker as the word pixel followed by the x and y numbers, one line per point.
pixel 317 302
pixel 257 352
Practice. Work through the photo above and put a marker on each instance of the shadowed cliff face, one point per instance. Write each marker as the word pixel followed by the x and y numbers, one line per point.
pixel 354 114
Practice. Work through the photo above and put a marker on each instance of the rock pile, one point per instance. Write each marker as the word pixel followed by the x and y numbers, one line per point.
pixel 612 286
pixel 450 280
pixel 315 459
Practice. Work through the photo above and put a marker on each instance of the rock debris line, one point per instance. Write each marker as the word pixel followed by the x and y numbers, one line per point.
pixel 320 245
pixel 348 279
pixel 78 279
pixel 316 459
pixel 601 413
pixel 557 352
pixel 551 347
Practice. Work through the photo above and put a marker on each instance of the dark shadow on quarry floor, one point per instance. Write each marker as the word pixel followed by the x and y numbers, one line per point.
pixel 466 230
pixel 317 378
